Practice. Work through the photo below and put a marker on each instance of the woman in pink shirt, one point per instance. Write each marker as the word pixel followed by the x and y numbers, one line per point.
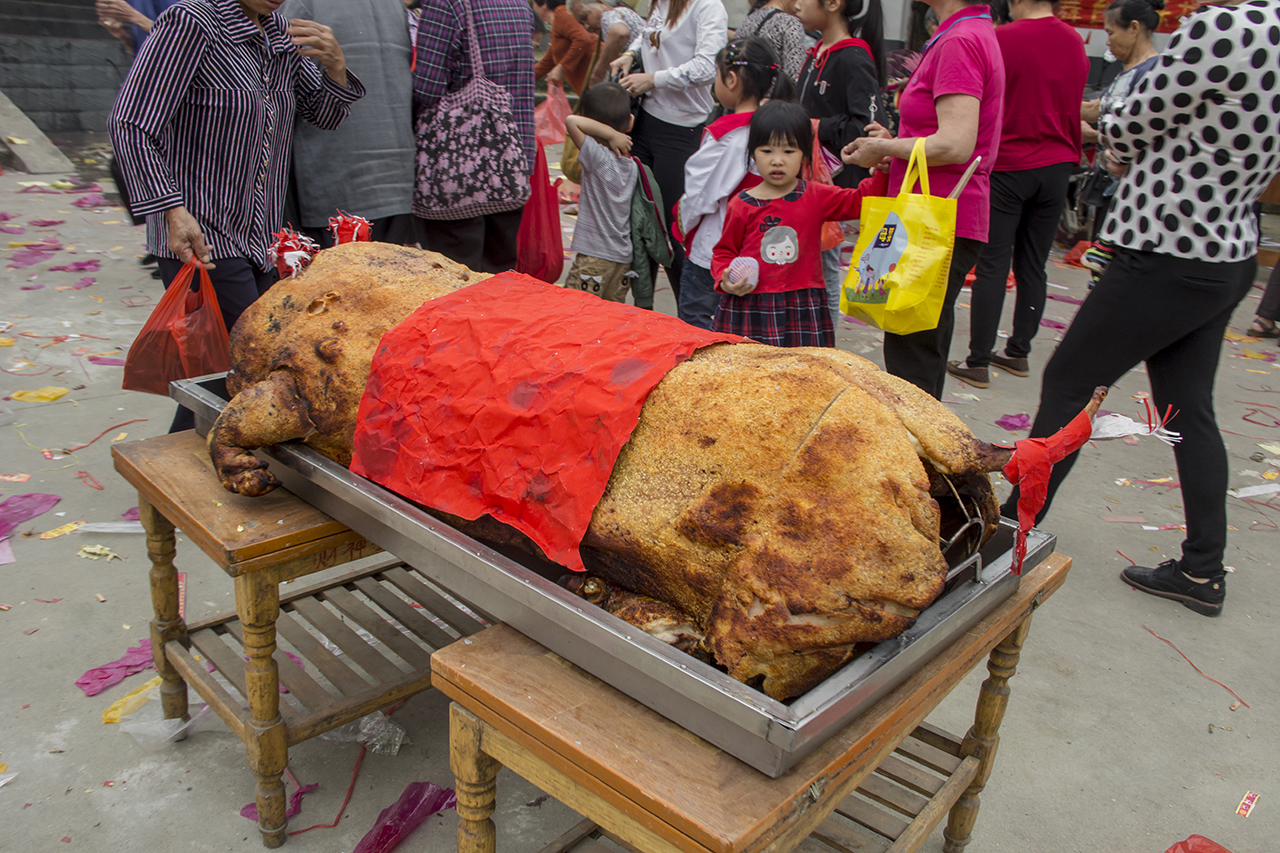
pixel 955 101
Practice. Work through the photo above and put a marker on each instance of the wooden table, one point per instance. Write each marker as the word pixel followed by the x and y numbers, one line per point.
pixel 261 543
pixel 883 783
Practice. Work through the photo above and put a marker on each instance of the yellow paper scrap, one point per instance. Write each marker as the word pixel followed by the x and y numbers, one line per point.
pixel 61 531
pixel 13 140
pixel 47 394
pixel 33 184
pixel 62 185
pixel 130 702
pixel 1254 355
pixel 6 342
pixel 112 222
pixel 121 437
pixel 1239 338
pixel 1270 475
pixel 97 552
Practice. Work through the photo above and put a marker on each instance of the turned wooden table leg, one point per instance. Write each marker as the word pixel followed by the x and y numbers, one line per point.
pixel 258 605
pixel 475 780
pixel 983 739
pixel 167 624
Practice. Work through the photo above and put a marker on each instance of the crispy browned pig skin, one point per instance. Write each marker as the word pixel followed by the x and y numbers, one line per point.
pixel 300 355
pixel 780 499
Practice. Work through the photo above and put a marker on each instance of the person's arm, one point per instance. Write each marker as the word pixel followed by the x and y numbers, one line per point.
pixel 579 128
pixel 324 98
pixel 440 32
pixel 841 203
pixel 728 247
pixel 711 174
pixel 121 12
pixel 1089 110
pixel 860 87
pixel 1168 95
pixel 953 142
pixel 544 65
pixel 615 42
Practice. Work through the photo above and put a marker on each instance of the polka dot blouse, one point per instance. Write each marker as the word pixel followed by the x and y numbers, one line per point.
pixel 1202 134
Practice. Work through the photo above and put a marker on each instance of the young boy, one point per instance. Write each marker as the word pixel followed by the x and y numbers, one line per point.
pixel 602 238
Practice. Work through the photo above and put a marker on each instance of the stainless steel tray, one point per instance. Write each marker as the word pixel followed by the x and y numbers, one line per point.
pixel 765 734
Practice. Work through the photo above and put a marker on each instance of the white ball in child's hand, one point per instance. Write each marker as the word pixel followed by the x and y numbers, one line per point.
pixel 744 269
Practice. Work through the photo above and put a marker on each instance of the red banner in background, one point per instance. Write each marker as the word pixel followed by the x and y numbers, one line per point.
pixel 1088 13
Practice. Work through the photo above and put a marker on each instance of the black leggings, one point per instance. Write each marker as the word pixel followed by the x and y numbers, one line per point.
pixel 1025 209
pixel 664 148
pixel 1171 313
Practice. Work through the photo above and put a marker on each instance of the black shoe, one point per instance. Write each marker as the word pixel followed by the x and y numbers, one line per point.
pixel 148 260
pixel 1016 366
pixel 1167 581
pixel 978 377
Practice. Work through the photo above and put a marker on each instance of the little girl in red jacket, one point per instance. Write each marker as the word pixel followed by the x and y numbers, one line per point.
pixel 768 263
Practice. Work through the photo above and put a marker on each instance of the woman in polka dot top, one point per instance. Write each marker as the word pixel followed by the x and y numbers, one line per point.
pixel 1196 144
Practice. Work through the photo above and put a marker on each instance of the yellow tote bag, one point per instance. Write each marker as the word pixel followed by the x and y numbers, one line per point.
pixel 898 278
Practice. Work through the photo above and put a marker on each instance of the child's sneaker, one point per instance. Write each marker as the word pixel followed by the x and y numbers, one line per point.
pixel 1096 257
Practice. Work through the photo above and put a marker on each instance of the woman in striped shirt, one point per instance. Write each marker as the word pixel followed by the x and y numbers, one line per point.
pixel 202 130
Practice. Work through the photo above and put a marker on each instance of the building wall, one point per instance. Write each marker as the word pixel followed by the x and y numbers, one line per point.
pixel 57 65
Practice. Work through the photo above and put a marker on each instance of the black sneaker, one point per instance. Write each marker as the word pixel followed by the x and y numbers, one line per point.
pixel 1016 366
pixel 1167 581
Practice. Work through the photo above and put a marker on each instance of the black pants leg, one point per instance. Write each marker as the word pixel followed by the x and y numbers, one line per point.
pixel 664 148
pixel 921 358
pixel 482 243
pixel 1025 209
pixel 238 284
pixel 1185 306
pixel 1269 308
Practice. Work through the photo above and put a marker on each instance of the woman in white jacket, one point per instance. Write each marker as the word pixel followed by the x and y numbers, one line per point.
pixel 676 54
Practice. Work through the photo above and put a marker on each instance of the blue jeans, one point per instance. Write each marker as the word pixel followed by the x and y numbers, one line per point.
pixel 698 298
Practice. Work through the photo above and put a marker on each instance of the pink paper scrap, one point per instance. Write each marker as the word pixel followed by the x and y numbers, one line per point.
pixel 79 266
pixel 90 200
pixel 12 229
pixel 45 223
pixel 1013 423
pixel 100 678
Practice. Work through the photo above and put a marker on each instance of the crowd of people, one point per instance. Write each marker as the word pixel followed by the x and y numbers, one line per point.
pixel 748 145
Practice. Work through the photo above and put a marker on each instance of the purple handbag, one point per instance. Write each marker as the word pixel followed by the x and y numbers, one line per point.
pixel 471 159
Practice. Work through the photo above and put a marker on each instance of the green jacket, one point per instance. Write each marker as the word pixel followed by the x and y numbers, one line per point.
pixel 649 243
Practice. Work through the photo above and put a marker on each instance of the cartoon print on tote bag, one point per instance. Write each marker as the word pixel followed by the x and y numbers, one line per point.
pixel 878 260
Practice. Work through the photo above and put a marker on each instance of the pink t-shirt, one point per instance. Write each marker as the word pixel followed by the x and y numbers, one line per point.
pixel 964 59
pixel 1046 70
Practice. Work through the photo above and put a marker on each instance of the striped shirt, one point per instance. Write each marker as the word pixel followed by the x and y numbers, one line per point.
pixel 205 120
pixel 504 28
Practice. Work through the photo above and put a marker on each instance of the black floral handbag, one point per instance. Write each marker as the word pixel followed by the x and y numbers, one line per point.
pixel 471 158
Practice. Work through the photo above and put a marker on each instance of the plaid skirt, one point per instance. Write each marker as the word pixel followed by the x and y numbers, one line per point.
pixel 791 318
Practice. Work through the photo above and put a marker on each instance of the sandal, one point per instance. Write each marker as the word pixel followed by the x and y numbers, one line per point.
pixel 1257 330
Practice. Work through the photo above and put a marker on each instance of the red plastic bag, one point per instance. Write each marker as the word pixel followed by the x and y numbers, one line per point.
pixel 549 116
pixel 1197 844
pixel 184 336
pixel 539 244
pixel 820 173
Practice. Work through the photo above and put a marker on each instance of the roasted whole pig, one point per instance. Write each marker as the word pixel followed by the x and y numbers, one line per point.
pixel 773 509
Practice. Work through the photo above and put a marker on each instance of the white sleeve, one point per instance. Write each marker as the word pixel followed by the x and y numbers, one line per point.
pixel 711 23
pixel 710 175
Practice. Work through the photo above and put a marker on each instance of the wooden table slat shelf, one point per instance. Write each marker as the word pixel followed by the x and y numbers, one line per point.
pixel 261 543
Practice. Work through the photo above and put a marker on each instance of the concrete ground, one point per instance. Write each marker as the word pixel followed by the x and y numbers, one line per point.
pixel 1111 742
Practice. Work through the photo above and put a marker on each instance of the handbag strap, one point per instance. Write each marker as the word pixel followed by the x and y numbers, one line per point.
pixel 477 64
pixel 916 168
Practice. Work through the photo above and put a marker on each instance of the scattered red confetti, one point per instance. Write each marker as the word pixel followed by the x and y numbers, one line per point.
pixel 66 839
pixel 108 784
pixel 29 632
pixel 48 600
pixel 27 805
pixel 1196 668
pixel 89 480
pixel 1126 556
pixel 100 435
pixel 25 707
